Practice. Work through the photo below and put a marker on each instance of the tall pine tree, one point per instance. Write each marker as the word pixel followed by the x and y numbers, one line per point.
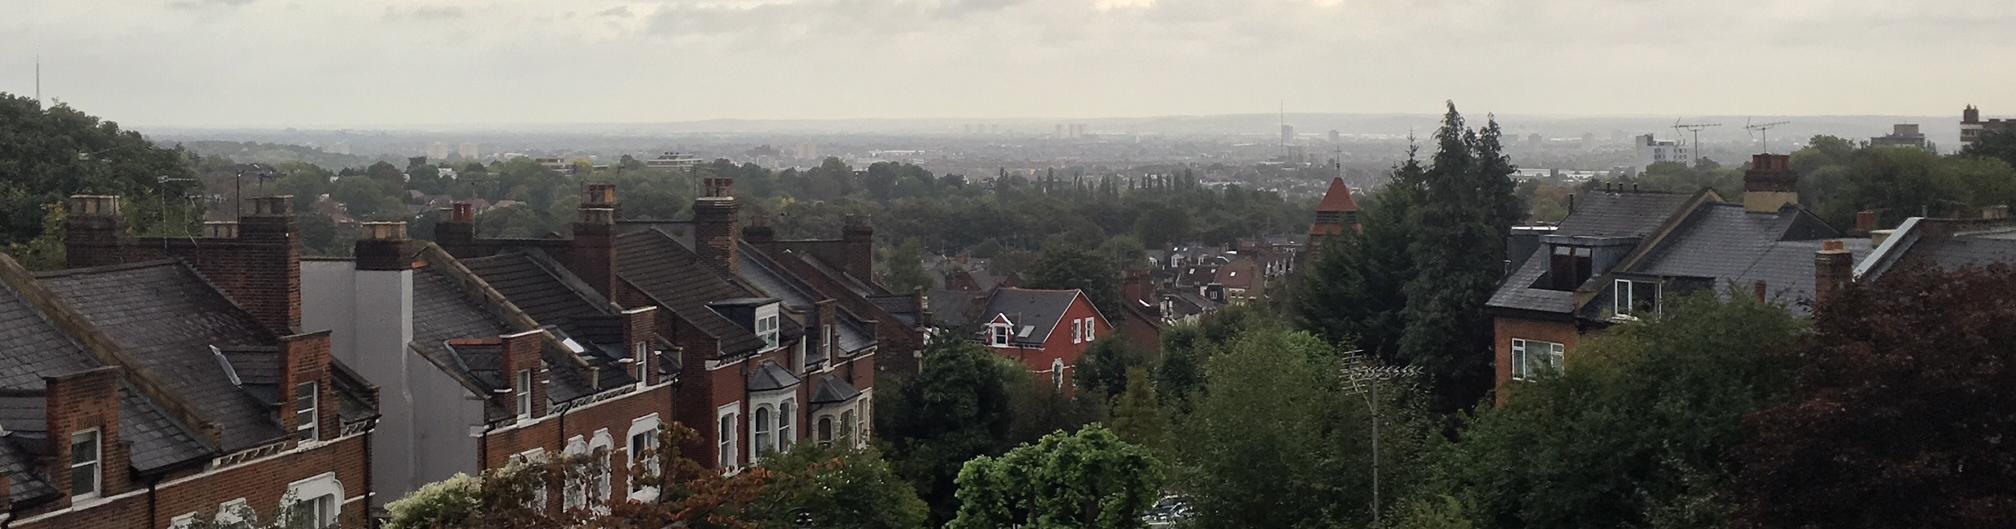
pixel 1458 252
pixel 1353 291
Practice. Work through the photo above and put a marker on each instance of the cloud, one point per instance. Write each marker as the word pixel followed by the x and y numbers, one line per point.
pixel 199 4
pixel 424 13
pixel 615 12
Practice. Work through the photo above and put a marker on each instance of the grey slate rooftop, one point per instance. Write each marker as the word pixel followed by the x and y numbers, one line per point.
pixel 658 264
pixel 168 317
pixel 1600 214
pixel 1035 313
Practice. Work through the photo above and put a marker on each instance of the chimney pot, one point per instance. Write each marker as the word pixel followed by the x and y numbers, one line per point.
pixel 462 212
pixel 598 216
pixel 94 206
pixel 1865 221
pixel 598 194
pixel 220 229
pixel 718 188
pixel 271 206
pixel 385 231
pixel 1998 212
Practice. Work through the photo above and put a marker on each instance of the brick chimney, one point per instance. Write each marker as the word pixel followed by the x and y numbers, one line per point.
pixel 220 229
pixel 1833 270
pixel 1865 222
pixel 714 225
pixel 78 403
pixel 305 367
pixel 384 247
pixel 592 254
pixel 1137 286
pixel 521 353
pixel 457 228
pixel 1970 115
pixel 262 272
pixel 1770 183
pixel 93 231
pixel 858 240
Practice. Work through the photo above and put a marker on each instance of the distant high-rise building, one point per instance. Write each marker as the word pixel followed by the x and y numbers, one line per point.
pixel 807 151
pixel 1061 134
pixel 1903 135
pixel 1652 150
pixel 437 151
pixel 468 151
pixel 1077 130
pixel 1287 134
pixel 1535 138
pixel 1971 125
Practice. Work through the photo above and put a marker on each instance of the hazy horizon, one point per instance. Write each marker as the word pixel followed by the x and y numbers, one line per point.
pixel 382 63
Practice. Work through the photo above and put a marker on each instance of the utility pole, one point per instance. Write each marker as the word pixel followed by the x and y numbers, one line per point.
pixel 1696 129
pixel 1765 130
pixel 38 79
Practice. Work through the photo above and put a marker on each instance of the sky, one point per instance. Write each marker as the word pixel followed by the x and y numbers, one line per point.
pixel 323 63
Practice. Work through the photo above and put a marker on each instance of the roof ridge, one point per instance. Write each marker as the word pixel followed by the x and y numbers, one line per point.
pixel 94 342
pixel 100 269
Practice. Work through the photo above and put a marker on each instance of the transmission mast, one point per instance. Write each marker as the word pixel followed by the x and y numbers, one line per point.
pixel 1765 130
pixel 1694 128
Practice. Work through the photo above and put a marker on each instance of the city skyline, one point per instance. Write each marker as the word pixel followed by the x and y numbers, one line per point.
pixel 278 63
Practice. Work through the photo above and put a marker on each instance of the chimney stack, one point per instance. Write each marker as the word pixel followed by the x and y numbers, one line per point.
pixel 592 254
pixel 93 231
pixel 858 239
pixel 220 229
pixel 1770 183
pixel 521 354
pixel 457 228
pixel 1833 271
pixel 1865 222
pixel 384 247
pixel 761 235
pixel 262 271
pixel 270 219
pixel 714 229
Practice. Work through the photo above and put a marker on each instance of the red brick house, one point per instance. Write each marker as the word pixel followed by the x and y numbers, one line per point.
pixel 1047 330
pixel 482 382
pixel 162 379
pixel 764 358
pixel 1619 253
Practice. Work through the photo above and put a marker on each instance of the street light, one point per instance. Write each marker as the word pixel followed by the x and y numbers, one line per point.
pixel 1362 375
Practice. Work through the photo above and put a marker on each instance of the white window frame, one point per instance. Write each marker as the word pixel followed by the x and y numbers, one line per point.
pixel 727 446
pixel 845 437
pixel 1077 331
pixel 762 433
pixel 824 430
pixel 861 421
pixel 787 425
pixel 314 492
pixel 1057 373
pixel 574 492
pixel 1525 362
pixel 1000 334
pixel 1091 330
pixel 640 354
pixel 1624 295
pixel 310 429
pixel 603 447
pixel 648 427
pixel 235 514
pixel 96 464
pixel 522 393
pixel 766 326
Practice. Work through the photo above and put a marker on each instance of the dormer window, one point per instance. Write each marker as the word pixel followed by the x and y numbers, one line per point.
pixel 766 327
pixel 1636 299
pixel 306 416
pixel 998 335
pixel 1570 266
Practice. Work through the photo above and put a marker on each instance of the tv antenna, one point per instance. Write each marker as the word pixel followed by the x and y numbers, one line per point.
pixel 1765 130
pixel 1694 128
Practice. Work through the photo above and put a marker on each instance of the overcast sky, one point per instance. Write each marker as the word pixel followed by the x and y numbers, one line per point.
pixel 400 62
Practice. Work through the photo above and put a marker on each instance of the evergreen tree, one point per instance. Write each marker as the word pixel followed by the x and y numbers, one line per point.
pixel 1352 292
pixel 1458 253
pixel 1137 414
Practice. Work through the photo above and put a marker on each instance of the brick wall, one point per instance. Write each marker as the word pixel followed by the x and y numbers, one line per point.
pixel 78 402
pixel 262 483
pixel 307 359
pixel 1507 328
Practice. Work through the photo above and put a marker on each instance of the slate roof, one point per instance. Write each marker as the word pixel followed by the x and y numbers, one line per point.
pixel 953 309
pixel 771 377
pixel 1035 313
pixel 860 287
pixel 444 311
pixel 655 262
pixel 167 317
pixel 1971 248
pixel 833 390
pixel 769 278
pixel 541 287
pixel 1600 214
pixel 1727 245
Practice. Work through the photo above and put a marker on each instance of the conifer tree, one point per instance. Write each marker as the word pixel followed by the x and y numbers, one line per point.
pixel 1352 292
pixel 1458 252
pixel 1137 415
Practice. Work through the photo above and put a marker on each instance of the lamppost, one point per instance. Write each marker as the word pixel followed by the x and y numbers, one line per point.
pixel 1362 375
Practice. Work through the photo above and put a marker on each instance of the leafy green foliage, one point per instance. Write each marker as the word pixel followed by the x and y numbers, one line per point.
pixel 1278 423
pixel 1068 267
pixel 1637 429
pixel 1997 144
pixel 1104 369
pixel 1353 289
pixel 48 154
pixel 1088 479
pixel 904 268
pixel 1137 415
pixel 1900 413
pixel 1838 180
pixel 955 408
pixel 837 489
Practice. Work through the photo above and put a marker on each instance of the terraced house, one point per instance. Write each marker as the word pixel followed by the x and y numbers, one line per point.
pixel 158 381
pixel 764 358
